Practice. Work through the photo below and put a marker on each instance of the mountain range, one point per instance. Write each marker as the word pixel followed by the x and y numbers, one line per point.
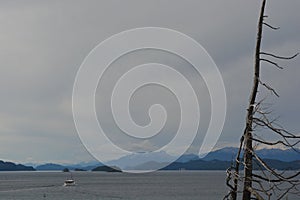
pixel 216 160
pixel 223 165
pixel 10 166
pixel 229 153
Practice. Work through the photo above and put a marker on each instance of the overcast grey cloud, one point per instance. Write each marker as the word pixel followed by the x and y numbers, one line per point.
pixel 43 44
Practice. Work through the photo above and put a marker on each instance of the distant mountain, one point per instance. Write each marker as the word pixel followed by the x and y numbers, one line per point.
pixel 223 165
pixel 88 168
pixel 137 159
pixel 107 169
pixel 199 165
pixel 82 165
pixel 229 153
pixel 58 167
pixel 225 154
pixel 10 166
pixel 85 166
pixel 187 157
pixel 279 154
pixel 281 165
pixel 145 161
pixel 50 167
pixel 215 160
pixel 151 165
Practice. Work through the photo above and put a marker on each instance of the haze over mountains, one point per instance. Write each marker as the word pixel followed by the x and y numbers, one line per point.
pixel 216 160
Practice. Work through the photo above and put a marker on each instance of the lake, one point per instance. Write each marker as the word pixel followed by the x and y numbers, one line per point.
pixel 162 185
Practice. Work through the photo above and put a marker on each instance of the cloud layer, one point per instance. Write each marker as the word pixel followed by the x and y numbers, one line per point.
pixel 44 42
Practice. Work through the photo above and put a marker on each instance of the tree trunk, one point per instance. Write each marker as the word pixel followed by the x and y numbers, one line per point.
pixel 249 120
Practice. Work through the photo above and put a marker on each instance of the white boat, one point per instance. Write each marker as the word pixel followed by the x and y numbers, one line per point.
pixel 69 182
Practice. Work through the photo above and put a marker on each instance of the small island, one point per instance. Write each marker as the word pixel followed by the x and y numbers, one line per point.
pixel 107 169
pixel 66 170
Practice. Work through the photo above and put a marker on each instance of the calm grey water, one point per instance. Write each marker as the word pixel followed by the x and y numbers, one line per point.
pixel 100 185
pixel 163 185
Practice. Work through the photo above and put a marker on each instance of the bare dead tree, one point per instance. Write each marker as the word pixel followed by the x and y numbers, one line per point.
pixel 267 183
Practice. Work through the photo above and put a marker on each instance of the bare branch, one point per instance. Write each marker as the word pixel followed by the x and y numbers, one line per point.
pixel 256 194
pixel 280 131
pixel 271 62
pixel 228 179
pixel 280 57
pixel 272 27
pixel 283 195
pixel 272 180
pixel 269 88
pixel 279 176
pixel 275 143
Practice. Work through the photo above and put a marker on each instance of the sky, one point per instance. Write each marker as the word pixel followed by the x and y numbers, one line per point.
pixel 43 44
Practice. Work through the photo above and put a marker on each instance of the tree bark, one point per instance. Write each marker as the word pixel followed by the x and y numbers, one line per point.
pixel 250 111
